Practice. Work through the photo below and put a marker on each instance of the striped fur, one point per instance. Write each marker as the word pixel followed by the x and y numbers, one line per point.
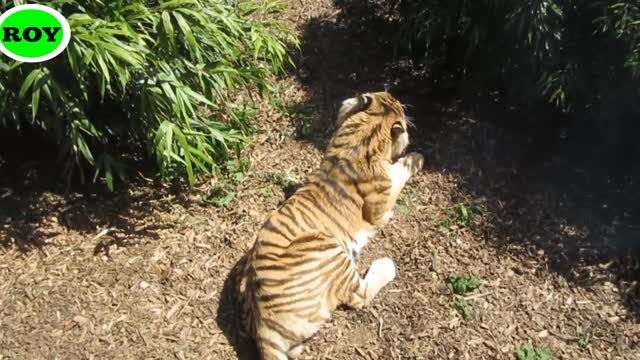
pixel 303 263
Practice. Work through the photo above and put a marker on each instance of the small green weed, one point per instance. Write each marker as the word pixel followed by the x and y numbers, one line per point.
pixel 236 170
pixel 459 217
pixel 219 196
pixel 461 285
pixel 584 341
pixel 267 191
pixel 304 117
pixel 464 307
pixel 225 191
pixel 305 127
pixel 283 180
pixel 242 116
pixel 407 200
pixel 278 99
pixel 528 352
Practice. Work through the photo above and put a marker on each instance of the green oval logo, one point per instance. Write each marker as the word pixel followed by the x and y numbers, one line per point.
pixel 33 33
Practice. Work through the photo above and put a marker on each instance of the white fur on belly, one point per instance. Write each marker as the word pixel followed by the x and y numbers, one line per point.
pixel 360 240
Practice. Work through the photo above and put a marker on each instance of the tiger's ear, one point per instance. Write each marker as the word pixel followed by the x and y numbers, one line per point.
pixel 353 105
pixel 364 101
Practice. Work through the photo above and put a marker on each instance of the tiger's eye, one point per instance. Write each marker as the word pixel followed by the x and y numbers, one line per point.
pixel 397 130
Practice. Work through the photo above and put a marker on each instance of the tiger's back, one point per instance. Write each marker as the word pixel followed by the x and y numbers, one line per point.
pixel 303 263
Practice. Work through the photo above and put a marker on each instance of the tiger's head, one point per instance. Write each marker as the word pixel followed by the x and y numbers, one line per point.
pixel 371 127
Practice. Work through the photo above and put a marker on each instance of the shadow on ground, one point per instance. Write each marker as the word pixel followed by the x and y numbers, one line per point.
pixel 554 190
pixel 37 209
pixel 229 315
pixel 32 219
pixel 37 206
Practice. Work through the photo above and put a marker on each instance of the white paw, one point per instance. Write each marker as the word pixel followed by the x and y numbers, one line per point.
pixel 399 174
pixel 414 162
pixel 295 352
pixel 383 269
pixel 387 216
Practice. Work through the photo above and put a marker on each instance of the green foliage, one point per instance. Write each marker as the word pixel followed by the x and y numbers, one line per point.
pixel 284 180
pixel 225 190
pixel 407 200
pixel 148 76
pixel 465 309
pixel 623 19
pixel 584 341
pixel 459 217
pixel 528 352
pixel 528 50
pixel 461 284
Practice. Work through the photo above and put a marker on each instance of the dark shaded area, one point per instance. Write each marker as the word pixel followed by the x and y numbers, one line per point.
pixel 34 192
pixel 228 318
pixel 31 219
pixel 549 183
pixel 37 206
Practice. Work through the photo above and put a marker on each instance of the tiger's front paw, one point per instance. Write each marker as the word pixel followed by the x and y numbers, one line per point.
pixel 387 216
pixel 414 162
pixel 383 270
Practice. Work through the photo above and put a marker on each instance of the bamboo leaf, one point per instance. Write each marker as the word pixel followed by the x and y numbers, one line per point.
pixel 30 79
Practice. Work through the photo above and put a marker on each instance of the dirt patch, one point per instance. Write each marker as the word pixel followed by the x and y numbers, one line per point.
pixel 147 273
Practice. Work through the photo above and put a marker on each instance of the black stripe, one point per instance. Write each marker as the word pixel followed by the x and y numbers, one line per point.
pixel 378 187
pixel 286 211
pixel 338 188
pixel 350 126
pixel 298 262
pixel 272 257
pixel 344 144
pixel 298 309
pixel 272 267
pixel 281 329
pixel 329 274
pixel 320 267
pixel 347 168
pixel 377 202
pixel 270 227
pixel 307 220
pixel 313 201
pixel 296 299
pixel 319 248
pixel 272 244
pixel 270 344
pixel 306 238
pixel 343 282
pixel 374 132
pixel 271 297
pixel 345 133
pixel 292 233
pixel 307 281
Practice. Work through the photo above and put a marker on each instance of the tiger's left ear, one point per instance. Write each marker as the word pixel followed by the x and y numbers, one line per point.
pixel 364 101
pixel 353 105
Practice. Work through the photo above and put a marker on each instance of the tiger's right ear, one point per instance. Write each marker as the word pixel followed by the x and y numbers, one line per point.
pixel 353 105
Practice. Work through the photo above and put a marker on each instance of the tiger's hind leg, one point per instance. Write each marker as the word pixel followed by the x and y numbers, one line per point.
pixel 360 292
pixel 292 299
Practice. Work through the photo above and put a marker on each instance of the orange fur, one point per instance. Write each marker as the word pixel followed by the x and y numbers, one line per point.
pixel 303 262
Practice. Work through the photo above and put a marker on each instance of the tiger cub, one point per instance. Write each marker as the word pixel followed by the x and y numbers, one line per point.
pixel 303 262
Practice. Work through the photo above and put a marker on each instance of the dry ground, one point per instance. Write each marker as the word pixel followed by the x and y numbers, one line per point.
pixel 143 274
